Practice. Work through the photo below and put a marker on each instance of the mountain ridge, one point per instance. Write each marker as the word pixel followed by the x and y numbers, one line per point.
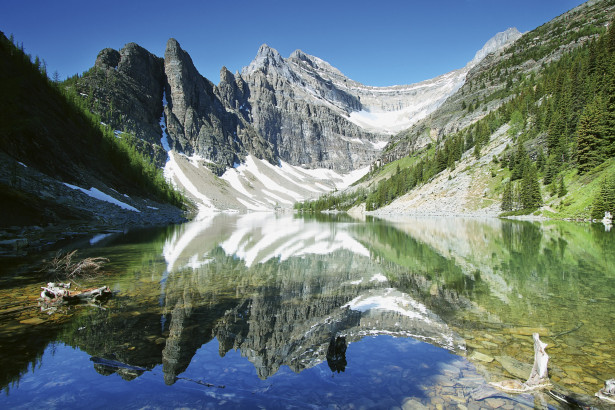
pixel 518 128
pixel 208 115
pixel 298 111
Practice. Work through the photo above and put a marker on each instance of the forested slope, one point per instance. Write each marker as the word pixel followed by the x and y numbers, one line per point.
pixel 554 90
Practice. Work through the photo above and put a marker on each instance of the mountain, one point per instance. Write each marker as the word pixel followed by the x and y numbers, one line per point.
pixel 279 115
pixel 530 131
pixel 58 165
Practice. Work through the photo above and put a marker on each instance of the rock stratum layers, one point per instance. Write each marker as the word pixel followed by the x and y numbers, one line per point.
pixel 299 109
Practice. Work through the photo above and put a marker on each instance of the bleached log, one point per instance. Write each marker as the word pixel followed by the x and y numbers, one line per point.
pixel 539 377
pixel 60 293
pixel 608 391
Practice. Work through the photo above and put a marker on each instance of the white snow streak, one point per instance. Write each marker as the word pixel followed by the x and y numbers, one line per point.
pixel 173 170
pixel 163 125
pixel 283 238
pixel 101 196
pixel 391 300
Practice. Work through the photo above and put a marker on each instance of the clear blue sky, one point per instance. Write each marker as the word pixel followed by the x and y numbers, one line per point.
pixel 376 42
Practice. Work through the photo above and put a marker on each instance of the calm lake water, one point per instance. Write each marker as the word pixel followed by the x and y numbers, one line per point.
pixel 283 311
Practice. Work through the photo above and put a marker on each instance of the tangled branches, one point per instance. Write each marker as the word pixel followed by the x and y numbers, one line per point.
pixel 63 266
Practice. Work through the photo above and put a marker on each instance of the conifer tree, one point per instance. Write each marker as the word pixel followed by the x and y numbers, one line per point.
pixel 507 198
pixel 590 132
pixel 556 132
pixel 530 188
pixel 600 205
pixel 561 190
pixel 610 37
pixel 540 160
pixel 520 160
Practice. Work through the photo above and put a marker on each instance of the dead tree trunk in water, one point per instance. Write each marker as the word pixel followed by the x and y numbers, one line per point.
pixel 539 377
pixel 608 391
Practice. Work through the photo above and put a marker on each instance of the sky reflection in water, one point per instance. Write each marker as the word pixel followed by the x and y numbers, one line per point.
pixel 251 303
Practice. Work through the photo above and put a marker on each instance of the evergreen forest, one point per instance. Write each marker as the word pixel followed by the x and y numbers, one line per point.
pixel 561 124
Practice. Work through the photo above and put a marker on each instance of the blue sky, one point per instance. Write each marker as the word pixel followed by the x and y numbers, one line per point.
pixel 377 42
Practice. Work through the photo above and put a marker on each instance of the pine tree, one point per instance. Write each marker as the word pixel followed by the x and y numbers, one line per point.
pixel 556 134
pixel 477 147
pixel 590 132
pixel 600 206
pixel 530 188
pixel 561 191
pixel 520 161
pixel 551 169
pixel 610 37
pixel 540 160
pixel 507 198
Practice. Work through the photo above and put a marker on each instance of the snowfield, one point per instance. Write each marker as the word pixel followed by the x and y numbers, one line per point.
pixel 255 185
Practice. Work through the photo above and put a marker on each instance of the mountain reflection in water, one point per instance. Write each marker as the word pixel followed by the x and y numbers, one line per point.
pixel 283 288
pixel 287 293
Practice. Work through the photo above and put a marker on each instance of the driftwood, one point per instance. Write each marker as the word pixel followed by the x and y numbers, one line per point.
pixel 114 364
pixel 608 391
pixel 539 377
pixel 60 293
pixel 125 368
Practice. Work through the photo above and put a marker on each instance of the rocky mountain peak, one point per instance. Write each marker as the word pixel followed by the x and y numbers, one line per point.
pixel 495 43
pixel 173 50
pixel 182 77
pixel 265 50
pixel 300 55
pixel 141 65
pixel 316 63
pixel 226 76
pixel 265 58
pixel 107 58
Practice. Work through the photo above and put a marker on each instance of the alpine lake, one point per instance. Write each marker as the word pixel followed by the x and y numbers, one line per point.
pixel 290 311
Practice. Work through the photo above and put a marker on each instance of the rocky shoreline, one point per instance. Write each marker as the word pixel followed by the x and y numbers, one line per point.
pixel 39 211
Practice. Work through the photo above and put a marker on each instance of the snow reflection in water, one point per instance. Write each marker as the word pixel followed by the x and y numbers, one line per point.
pixel 252 302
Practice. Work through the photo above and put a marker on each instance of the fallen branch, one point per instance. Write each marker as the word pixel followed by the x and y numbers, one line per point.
pixel 60 293
pixel 565 332
pixel 539 377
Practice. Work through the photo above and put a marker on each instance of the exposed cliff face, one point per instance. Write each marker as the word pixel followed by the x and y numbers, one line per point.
pixel 198 122
pixel 125 87
pixel 314 115
pixel 303 115
pixel 298 111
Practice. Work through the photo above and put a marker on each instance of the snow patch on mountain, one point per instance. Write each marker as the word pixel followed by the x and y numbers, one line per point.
pixel 176 174
pixel 255 185
pixel 383 110
pixel 101 196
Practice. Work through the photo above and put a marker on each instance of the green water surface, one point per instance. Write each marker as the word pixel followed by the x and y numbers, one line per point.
pixel 239 311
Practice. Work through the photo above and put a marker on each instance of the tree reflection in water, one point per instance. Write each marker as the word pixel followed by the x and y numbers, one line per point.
pixel 284 291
